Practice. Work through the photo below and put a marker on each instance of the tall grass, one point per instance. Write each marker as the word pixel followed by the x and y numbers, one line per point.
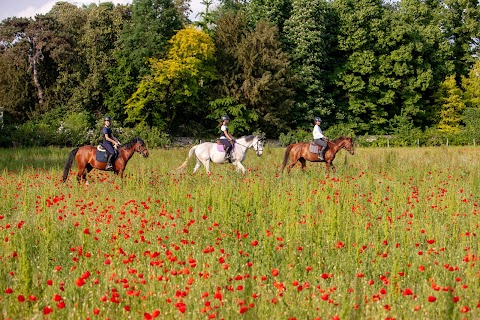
pixel 393 234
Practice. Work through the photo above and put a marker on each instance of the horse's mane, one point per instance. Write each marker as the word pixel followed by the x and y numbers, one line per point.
pixel 248 138
pixel 340 139
pixel 130 144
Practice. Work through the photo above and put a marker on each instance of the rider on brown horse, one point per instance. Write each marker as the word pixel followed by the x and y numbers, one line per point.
pixel 319 138
pixel 109 141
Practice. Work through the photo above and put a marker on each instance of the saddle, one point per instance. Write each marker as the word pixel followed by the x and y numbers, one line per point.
pixel 221 146
pixel 314 148
pixel 102 155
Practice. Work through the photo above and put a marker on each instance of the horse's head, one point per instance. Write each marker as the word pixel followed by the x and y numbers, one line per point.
pixel 258 144
pixel 348 145
pixel 141 148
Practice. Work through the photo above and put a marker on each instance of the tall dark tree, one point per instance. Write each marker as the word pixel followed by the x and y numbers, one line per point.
pixel 253 70
pixel 311 40
pixel 17 98
pixel 101 29
pixel 396 57
pixel 460 21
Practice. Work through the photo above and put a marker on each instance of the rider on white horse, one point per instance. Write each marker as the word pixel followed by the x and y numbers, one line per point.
pixel 226 138
pixel 208 152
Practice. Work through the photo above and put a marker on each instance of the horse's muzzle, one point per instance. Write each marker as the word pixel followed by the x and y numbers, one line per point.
pixel 145 153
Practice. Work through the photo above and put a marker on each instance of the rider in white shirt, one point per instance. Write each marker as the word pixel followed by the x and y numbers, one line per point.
pixel 319 138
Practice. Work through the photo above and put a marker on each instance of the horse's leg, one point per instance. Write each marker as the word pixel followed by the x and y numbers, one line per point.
pixel 304 163
pixel 334 169
pixel 329 165
pixel 87 169
pixel 293 162
pixel 80 172
pixel 239 166
pixel 207 166
pixel 198 165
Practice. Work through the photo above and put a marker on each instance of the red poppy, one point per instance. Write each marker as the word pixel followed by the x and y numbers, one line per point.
pixel 432 299
pixel 407 292
pixel 8 290
pixel 79 282
pixel 275 272
pixel 47 310
pixel 464 309
pixel 21 298
pixel 243 309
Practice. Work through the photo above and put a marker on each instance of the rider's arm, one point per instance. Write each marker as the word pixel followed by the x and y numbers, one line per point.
pixel 114 140
pixel 228 135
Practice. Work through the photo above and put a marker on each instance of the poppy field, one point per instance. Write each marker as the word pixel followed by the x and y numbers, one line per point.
pixel 393 234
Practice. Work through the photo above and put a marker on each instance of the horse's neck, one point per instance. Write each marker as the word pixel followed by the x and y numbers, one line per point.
pixel 126 154
pixel 335 145
pixel 243 143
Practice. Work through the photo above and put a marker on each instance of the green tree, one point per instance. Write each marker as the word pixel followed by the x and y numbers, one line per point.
pixel 145 35
pixel 396 56
pixel 170 95
pixel 101 29
pixel 363 27
pixel 450 105
pixel 17 98
pixel 274 11
pixel 253 70
pixel 461 25
pixel 311 41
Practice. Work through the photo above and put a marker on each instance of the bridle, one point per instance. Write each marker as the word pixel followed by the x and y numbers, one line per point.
pixel 142 150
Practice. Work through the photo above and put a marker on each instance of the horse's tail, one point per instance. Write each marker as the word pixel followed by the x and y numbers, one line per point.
pixel 190 153
pixel 68 165
pixel 285 157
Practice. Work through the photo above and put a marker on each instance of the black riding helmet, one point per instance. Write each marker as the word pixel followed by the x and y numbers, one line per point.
pixel 107 118
pixel 225 117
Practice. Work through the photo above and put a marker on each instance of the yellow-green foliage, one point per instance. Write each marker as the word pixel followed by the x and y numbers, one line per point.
pixel 471 85
pixel 449 99
pixel 174 81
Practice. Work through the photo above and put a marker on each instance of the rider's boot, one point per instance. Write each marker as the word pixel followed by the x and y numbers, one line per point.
pixel 109 162
pixel 321 154
pixel 228 155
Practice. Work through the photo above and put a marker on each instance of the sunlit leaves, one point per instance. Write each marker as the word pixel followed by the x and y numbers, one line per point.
pixel 175 82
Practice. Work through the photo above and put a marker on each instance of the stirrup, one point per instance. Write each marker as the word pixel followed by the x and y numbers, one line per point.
pixel 109 167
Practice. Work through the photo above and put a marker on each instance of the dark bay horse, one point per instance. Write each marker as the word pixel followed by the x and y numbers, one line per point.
pixel 300 152
pixel 85 157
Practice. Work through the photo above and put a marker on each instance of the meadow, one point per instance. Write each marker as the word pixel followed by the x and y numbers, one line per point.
pixel 392 235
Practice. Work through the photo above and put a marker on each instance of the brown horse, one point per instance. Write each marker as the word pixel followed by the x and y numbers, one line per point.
pixel 300 152
pixel 85 157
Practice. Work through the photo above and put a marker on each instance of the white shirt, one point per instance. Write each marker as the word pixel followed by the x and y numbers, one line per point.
pixel 223 128
pixel 317 132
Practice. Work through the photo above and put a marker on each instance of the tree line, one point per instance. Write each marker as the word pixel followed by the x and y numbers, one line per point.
pixel 408 68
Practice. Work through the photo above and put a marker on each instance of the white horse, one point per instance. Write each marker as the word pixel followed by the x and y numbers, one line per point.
pixel 209 151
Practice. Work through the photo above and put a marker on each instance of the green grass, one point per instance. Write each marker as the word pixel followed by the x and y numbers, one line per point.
pixel 346 245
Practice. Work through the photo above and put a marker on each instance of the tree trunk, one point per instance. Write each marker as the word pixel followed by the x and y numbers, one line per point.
pixel 33 62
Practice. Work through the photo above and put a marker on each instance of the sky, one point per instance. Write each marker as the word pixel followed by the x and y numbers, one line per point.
pixel 29 8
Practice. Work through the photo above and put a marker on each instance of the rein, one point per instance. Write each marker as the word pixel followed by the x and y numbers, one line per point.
pixel 252 145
